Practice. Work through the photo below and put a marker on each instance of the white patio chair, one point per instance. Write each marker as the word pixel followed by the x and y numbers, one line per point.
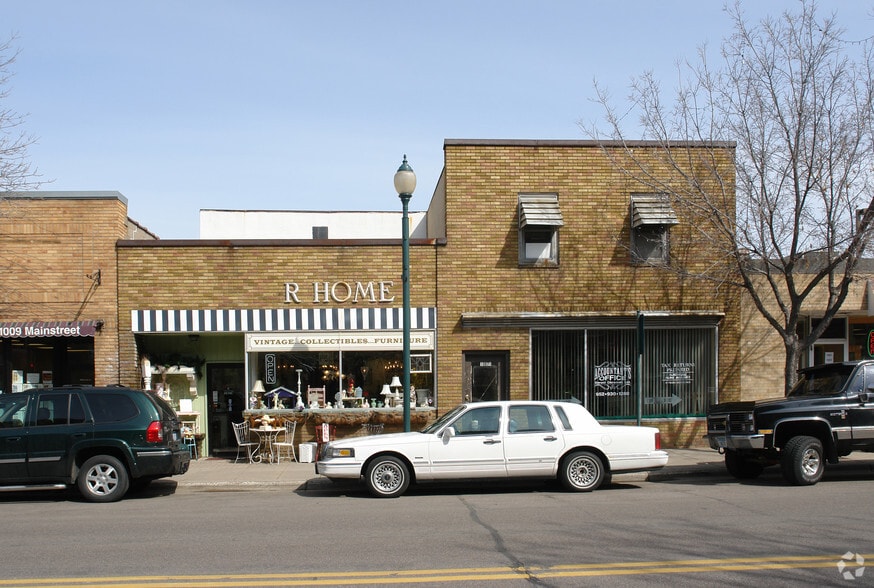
pixel 241 432
pixel 287 442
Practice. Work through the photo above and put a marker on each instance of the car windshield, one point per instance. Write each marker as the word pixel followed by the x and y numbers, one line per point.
pixel 823 381
pixel 436 425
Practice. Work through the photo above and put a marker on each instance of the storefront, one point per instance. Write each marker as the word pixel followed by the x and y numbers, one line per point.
pixel 42 354
pixel 216 366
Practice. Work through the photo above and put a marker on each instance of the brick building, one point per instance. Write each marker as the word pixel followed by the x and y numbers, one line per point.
pixel 532 270
pixel 526 282
pixel 849 336
pixel 58 317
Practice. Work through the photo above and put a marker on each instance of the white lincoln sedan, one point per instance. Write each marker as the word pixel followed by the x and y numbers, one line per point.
pixel 496 440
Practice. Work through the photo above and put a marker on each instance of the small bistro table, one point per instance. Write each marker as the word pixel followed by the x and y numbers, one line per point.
pixel 266 439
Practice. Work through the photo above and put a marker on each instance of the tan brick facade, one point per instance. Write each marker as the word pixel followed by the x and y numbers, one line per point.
pixel 763 353
pixel 212 275
pixel 468 265
pixel 479 269
pixel 53 241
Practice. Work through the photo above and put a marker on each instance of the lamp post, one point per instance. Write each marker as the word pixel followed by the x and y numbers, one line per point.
pixel 405 183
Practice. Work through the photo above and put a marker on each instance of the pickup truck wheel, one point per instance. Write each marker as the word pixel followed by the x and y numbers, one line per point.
pixel 740 468
pixel 103 478
pixel 802 461
pixel 582 471
pixel 387 477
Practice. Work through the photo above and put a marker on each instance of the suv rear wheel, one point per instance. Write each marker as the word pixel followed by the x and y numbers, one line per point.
pixel 802 461
pixel 103 478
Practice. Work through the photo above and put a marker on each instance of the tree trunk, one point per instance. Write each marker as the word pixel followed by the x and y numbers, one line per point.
pixel 790 369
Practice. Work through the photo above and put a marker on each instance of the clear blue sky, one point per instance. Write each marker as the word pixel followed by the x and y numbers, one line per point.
pixel 293 105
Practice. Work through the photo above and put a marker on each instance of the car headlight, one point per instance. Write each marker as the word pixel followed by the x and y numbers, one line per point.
pixel 341 452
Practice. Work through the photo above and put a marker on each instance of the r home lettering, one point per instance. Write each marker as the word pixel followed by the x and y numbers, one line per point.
pixel 340 292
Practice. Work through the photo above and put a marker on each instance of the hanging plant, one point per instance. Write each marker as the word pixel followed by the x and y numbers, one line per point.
pixel 163 361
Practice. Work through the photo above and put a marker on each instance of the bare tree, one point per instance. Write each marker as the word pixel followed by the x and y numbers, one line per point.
pixel 16 173
pixel 795 215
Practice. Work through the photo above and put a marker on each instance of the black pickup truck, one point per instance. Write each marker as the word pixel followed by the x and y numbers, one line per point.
pixel 828 414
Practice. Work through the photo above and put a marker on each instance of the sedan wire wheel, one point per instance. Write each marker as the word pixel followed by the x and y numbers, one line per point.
pixel 388 477
pixel 582 471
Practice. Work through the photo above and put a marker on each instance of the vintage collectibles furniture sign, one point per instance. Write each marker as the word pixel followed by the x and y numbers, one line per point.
pixel 329 341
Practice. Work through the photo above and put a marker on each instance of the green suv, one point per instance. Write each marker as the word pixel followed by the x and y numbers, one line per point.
pixel 103 440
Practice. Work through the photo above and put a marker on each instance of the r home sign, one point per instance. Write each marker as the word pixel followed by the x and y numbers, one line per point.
pixel 372 292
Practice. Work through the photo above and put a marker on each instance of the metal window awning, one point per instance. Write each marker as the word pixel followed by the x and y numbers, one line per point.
pixel 651 209
pixel 539 211
pixel 22 329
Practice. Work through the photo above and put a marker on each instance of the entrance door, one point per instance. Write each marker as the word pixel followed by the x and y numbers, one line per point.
pixel 486 376
pixel 225 404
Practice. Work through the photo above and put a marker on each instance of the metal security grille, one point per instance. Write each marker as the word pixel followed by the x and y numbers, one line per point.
pixel 596 367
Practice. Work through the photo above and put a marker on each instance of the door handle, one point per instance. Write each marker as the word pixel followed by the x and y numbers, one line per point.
pixel 491 441
pixel 550 438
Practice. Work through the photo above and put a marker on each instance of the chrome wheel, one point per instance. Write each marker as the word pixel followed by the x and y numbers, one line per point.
pixel 810 462
pixel 802 460
pixel 582 471
pixel 387 477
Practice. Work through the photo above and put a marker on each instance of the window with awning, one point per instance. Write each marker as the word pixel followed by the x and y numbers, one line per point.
pixel 540 211
pixel 539 220
pixel 651 218
pixel 652 209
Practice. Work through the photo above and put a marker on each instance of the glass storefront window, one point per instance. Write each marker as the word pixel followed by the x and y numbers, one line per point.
pixel 45 362
pixel 356 372
pixel 596 367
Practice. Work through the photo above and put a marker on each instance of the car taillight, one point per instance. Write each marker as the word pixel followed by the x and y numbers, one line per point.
pixel 658 440
pixel 155 432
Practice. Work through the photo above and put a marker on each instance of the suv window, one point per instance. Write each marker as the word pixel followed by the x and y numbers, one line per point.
pixel 111 408
pixel 164 409
pixel 59 409
pixel 12 409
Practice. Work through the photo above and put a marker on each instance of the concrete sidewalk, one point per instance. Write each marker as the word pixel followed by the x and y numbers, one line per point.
pixel 221 473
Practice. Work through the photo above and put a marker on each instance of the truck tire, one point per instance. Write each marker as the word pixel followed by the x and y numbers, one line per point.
pixel 802 461
pixel 741 468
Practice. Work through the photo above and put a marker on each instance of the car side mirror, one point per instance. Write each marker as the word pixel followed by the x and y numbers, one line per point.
pixel 448 433
pixel 865 397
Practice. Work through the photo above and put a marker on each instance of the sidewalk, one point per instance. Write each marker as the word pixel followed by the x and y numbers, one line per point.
pixel 221 473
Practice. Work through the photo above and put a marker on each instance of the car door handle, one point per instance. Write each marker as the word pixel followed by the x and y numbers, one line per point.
pixel 550 438
pixel 491 441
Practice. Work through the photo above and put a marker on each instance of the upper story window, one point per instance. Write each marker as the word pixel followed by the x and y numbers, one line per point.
pixel 539 221
pixel 651 219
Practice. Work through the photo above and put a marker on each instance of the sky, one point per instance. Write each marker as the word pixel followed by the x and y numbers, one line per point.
pixel 293 105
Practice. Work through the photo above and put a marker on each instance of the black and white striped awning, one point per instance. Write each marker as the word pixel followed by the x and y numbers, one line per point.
pixel 279 319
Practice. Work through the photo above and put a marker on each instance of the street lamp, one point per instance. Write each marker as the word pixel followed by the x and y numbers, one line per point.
pixel 405 183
